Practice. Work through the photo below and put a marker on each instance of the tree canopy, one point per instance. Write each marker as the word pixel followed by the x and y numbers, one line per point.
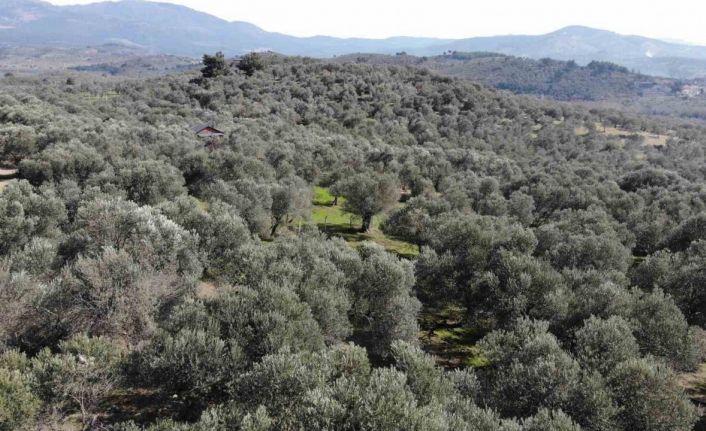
pixel 556 278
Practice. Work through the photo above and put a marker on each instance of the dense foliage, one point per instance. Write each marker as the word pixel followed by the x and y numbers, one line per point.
pixel 145 269
pixel 604 84
pixel 561 80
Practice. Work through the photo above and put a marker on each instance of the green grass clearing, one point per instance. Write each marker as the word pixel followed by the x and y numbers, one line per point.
pixel 322 197
pixel 335 221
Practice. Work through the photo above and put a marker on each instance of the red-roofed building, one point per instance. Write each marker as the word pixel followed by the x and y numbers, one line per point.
pixel 211 135
pixel 206 131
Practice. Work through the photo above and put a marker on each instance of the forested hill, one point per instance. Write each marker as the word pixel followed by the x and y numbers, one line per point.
pixel 149 278
pixel 111 59
pixel 561 80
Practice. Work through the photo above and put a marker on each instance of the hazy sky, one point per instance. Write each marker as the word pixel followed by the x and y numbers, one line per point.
pixel 675 19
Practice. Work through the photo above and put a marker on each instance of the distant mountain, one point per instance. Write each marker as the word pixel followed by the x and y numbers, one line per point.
pixel 167 28
pixel 583 44
pixel 171 29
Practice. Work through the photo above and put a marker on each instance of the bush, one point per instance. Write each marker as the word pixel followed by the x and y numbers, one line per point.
pixel 113 295
pixel 18 404
pixel 662 331
pixel 251 63
pixel 80 377
pixel 603 344
pixel 549 420
pixel 529 370
pixel 192 364
pixel 650 397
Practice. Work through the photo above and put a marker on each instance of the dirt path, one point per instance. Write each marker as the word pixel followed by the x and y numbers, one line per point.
pixel 8 173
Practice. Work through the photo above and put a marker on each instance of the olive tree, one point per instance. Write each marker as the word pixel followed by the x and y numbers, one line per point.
pixel 529 370
pixel 112 295
pixel 603 344
pixel 80 376
pixel 290 199
pixel 18 404
pixel 368 194
pixel 148 182
pixel 650 397
pixel 214 65
pixel 384 307
pixel 251 63
pixel 153 240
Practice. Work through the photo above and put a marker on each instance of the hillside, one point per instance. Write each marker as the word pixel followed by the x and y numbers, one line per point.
pixel 369 247
pixel 597 84
pixel 583 45
pixel 113 59
pixel 165 28
pixel 560 80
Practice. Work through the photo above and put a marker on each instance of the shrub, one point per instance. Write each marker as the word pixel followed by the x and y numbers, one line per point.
pixel 18 405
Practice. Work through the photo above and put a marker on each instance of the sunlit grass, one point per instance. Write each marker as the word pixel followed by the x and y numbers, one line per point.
pixel 322 197
pixel 335 221
pixel 649 139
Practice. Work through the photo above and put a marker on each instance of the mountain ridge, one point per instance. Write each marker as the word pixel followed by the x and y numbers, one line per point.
pixel 168 28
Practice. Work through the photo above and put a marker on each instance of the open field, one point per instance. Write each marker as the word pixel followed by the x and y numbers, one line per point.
pixel 648 139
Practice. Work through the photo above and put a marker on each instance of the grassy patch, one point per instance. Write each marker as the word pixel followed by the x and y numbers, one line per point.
pixel 444 335
pixel 335 221
pixel 637 260
pixel 95 97
pixel 649 139
pixel 322 197
pixel 203 205
pixel 206 289
pixel 324 215
pixel 695 385
pixel 582 131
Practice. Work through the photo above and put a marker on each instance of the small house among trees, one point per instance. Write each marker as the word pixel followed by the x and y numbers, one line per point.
pixel 206 131
pixel 211 135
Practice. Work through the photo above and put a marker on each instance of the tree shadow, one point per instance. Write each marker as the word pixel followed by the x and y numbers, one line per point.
pixel 146 406
pixel 444 334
